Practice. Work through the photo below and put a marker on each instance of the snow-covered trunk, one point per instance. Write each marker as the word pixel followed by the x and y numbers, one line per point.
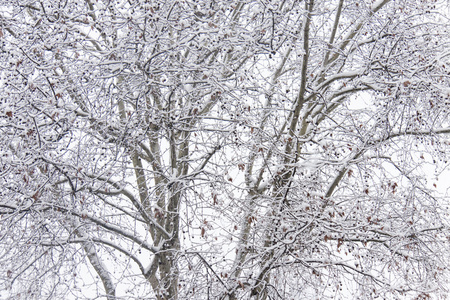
pixel 95 260
pixel 282 181
pixel 101 270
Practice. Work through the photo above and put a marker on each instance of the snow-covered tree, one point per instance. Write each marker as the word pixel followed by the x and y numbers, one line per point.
pixel 224 149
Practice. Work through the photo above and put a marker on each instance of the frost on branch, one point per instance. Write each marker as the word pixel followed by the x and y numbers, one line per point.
pixel 224 149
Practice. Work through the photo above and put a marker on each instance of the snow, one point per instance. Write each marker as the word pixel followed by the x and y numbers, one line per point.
pixel 263 185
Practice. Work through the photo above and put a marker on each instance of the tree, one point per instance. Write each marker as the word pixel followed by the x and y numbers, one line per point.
pixel 223 149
